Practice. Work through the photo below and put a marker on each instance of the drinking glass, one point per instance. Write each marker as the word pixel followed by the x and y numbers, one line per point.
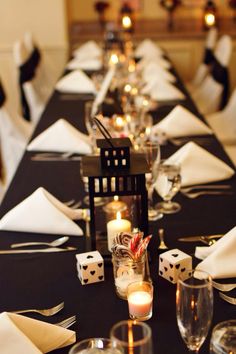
pixel 132 336
pixel 96 346
pixel 223 338
pixel 194 308
pixel 168 182
pixel 152 154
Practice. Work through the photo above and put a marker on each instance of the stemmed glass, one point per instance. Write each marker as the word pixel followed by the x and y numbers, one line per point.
pixel 168 182
pixel 194 308
pixel 153 155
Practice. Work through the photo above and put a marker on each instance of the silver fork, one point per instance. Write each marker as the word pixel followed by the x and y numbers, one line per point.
pixel 223 287
pixel 45 312
pixel 67 322
pixel 230 299
pixel 193 195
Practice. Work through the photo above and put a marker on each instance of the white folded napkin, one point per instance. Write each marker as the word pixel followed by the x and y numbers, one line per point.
pixel 20 334
pixel 160 62
pixel 162 90
pixel 76 82
pixel 152 72
pixel 181 122
pixel 199 166
pixel 84 64
pixel 220 258
pixel 147 48
pixel 41 212
pixel 88 50
pixel 61 137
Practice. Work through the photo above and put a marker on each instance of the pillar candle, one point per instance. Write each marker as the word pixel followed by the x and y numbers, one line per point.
pixel 116 226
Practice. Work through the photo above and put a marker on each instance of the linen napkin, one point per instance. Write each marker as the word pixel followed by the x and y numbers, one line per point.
pixel 160 62
pixel 20 334
pixel 152 71
pixel 76 82
pixel 181 122
pixel 147 48
pixel 163 91
pixel 88 50
pixel 199 166
pixel 84 64
pixel 219 259
pixel 41 212
pixel 61 137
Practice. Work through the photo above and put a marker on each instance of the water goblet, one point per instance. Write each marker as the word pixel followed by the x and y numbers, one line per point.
pixel 133 336
pixel 194 308
pixel 152 154
pixel 168 182
pixel 223 338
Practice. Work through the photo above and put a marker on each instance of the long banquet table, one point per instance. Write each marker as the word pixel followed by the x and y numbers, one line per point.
pixel 40 280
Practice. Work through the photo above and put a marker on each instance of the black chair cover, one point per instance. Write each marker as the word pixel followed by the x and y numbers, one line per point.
pixel 2 95
pixel 26 73
pixel 221 75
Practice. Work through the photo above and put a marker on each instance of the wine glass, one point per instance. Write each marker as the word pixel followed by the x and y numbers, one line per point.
pixel 133 336
pixel 194 308
pixel 95 345
pixel 223 338
pixel 168 182
pixel 152 154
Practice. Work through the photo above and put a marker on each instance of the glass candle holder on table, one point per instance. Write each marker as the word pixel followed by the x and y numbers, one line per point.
pixel 127 271
pixel 96 345
pixel 223 338
pixel 140 297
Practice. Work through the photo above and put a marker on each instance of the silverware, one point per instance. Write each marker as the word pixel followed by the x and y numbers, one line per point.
pixel 162 245
pixel 45 250
pixel 55 158
pixel 58 242
pixel 230 299
pixel 205 186
pixel 193 195
pixel 199 238
pixel 223 287
pixel 73 204
pixel 45 312
pixel 67 322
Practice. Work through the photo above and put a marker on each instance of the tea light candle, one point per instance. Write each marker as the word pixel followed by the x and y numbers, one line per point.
pixel 116 226
pixel 140 304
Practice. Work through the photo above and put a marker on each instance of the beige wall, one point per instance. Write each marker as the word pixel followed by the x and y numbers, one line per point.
pixel 47 21
pixel 82 10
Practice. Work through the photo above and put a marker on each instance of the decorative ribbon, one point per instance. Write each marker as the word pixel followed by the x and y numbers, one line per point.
pixel 220 74
pixel 26 73
pixel 208 56
pixel 2 95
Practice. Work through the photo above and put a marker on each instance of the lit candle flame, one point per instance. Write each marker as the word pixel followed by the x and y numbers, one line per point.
pixel 118 215
pixel 126 22
pixel 116 198
pixel 114 59
pixel 210 19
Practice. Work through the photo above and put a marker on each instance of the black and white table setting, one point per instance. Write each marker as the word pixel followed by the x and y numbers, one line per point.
pixel 38 207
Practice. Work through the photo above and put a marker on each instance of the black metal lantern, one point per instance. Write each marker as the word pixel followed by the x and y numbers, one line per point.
pixel 116 172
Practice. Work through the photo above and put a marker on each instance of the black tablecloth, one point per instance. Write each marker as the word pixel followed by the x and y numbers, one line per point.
pixel 41 280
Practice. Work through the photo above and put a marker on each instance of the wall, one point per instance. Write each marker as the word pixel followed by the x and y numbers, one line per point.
pixel 47 21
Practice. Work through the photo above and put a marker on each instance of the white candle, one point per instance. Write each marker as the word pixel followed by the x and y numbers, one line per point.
pixel 116 226
pixel 140 304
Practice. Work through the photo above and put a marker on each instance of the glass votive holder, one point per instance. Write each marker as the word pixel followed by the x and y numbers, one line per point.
pixel 89 346
pixel 127 271
pixel 140 299
pixel 133 336
pixel 223 338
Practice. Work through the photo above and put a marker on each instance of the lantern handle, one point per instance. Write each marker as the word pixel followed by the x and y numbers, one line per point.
pixel 103 130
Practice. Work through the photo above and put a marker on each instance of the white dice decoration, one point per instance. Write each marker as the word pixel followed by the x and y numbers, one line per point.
pixel 90 266
pixel 174 262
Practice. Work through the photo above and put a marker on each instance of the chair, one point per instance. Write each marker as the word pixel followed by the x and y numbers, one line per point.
pixel 208 59
pixel 32 100
pixel 223 123
pixel 211 95
pixel 14 134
